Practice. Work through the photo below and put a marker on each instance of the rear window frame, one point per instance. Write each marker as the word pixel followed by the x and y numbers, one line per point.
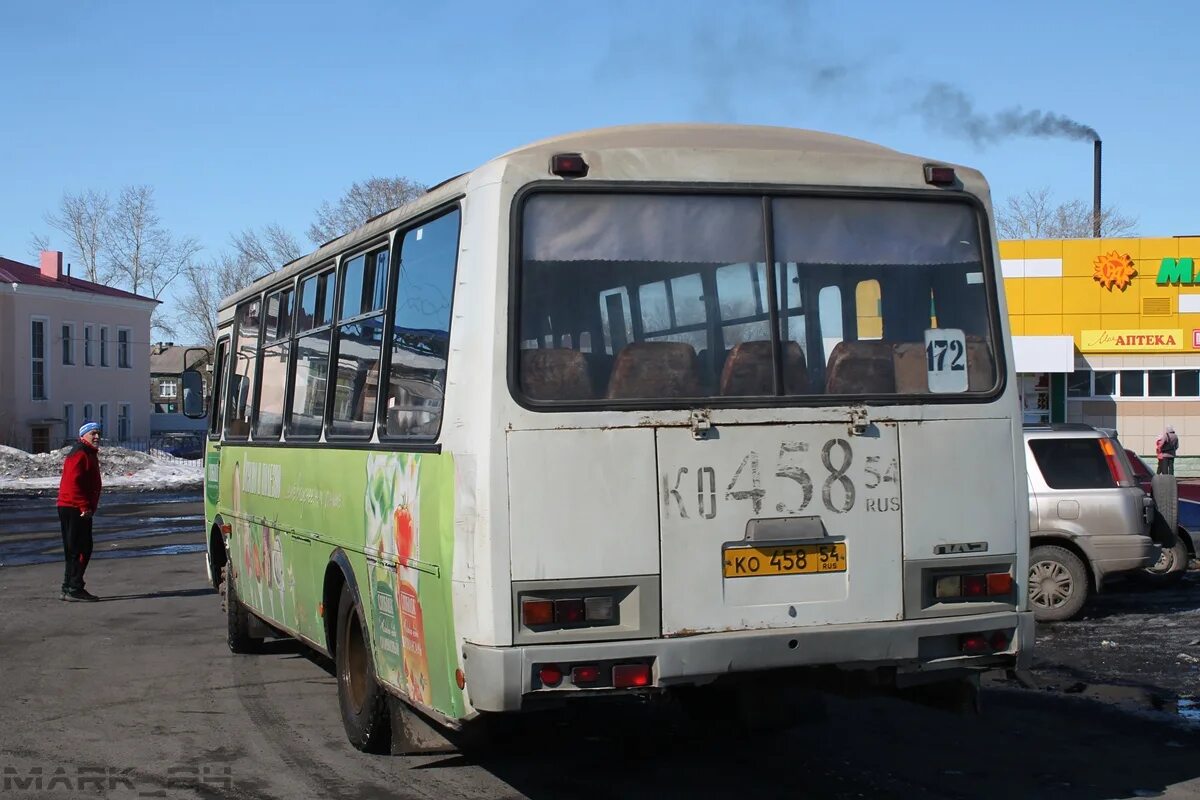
pixel 988 263
pixel 1036 443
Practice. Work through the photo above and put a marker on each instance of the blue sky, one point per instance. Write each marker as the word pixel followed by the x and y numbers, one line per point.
pixel 241 114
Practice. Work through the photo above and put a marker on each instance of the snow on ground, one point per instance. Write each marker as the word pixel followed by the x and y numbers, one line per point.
pixel 124 469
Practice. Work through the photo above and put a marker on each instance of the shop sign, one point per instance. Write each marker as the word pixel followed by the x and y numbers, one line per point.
pixel 1196 338
pixel 1177 271
pixel 1113 270
pixel 1131 341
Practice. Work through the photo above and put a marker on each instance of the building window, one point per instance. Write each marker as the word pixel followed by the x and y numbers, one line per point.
pixel 37 361
pixel 123 348
pixel 1159 383
pixel 1133 383
pixel 68 344
pixel 124 422
pixel 104 346
pixel 103 419
pixel 1106 383
pixel 87 414
pixel 89 353
pixel 168 388
pixel 1079 383
pixel 1187 383
pixel 166 408
pixel 69 420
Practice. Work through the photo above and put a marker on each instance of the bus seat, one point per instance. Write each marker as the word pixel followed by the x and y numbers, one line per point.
pixel 655 369
pixel 909 362
pixel 860 368
pixel 555 374
pixel 910 365
pixel 748 370
pixel 981 366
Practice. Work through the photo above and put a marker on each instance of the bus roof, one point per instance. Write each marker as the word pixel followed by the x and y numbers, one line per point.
pixel 630 138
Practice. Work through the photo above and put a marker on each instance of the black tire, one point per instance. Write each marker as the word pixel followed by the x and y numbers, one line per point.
pixel 1165 491
pixel 237 618
pixel 1170 567
pixel 362 700
pixel 1058 583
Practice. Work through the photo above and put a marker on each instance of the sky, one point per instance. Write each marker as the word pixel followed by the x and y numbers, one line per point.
pixel 243 114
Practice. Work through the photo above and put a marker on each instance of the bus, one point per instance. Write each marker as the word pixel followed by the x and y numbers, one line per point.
pixel 671 410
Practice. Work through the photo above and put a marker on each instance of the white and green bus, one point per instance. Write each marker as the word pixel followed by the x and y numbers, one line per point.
pixel 633 410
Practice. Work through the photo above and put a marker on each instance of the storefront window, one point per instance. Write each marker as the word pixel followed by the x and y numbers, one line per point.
pixel 1160 382
pixel 1133 383
pixel 1079 383
pixel 1187 383
pixel 1106 384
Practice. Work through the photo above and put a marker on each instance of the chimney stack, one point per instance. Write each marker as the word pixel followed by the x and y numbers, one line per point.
pixel 52 264
pixel 1096 191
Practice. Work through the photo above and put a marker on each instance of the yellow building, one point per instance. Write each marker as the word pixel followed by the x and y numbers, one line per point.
pixel 1107 332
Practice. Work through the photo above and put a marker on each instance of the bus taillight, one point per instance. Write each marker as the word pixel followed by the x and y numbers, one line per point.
pixel 550 675
pixel 629 675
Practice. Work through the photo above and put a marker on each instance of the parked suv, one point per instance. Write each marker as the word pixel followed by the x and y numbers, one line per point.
pixel 1088 517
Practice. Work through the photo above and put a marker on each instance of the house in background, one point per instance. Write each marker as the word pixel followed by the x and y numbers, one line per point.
pixel 70 351
pixel 166 396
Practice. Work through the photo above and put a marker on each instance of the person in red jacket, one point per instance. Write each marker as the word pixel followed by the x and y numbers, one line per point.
pixel 78 496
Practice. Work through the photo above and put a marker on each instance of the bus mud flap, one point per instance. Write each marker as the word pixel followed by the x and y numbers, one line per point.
pixel 413 734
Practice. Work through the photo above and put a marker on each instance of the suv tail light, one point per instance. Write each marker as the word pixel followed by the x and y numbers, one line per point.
pixel 1116 465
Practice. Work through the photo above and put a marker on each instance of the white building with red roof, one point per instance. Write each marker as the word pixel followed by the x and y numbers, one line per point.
pixel 70 351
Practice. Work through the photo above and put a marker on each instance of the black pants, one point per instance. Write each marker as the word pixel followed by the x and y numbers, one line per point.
pixel 1166 466
pixel 77 546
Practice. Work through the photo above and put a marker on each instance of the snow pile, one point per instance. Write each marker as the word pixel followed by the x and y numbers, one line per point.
pixel 121 468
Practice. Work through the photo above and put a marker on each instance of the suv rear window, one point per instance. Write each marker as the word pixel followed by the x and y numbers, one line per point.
pixel 1072 463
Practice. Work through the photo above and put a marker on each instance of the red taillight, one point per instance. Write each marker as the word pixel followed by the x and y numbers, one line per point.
pixel 999 641
pixel 974 644
pixel 974 585
pixel 568 165
pixel 537 612
pixel 999 583
pixel 581 676
pixel 627 675
pixel 550 675
pixel 1115 467
pixel 568 611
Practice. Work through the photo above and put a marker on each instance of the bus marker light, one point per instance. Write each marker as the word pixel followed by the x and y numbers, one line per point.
pixel 568 165
pixel 999 583
pixel 460 679
pixel 598 609
pixel 537 612
pixel 550 675
pixel 320 609
pixel 940 176
pixel 999 641
pixel 568 611
pixel 974 644
pixel 584 675
pixel 627 675
pixel 949 586
pixel 974 586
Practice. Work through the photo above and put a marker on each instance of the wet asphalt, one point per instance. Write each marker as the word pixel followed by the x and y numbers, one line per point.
pixel 140 691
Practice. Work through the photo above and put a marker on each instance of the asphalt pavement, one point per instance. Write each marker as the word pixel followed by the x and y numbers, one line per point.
pixel 138 695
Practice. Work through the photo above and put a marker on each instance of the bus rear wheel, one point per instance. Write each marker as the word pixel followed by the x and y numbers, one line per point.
pixel 362 700
pixel 237 618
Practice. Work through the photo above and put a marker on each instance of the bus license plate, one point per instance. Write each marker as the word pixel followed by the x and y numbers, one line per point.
pixel 796 559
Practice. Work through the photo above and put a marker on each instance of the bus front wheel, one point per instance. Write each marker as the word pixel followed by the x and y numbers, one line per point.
pixel 363 701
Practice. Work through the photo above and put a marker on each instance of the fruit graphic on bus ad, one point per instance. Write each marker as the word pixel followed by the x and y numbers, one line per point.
pixel 412 624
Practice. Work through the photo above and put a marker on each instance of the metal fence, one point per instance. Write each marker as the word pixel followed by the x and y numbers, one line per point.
pixel 171 446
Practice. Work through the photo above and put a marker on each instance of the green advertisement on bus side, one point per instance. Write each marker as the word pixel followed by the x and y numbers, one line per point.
pixel 392 514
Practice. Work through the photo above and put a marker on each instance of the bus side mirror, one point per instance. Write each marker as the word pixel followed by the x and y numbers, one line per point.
pixel 194 405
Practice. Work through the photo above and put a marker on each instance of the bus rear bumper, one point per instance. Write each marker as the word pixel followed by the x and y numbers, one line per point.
pixel 506 678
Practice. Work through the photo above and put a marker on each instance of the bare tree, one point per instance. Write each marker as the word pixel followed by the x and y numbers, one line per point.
pixel 83 218
pixel 204 285
pixel 267 250
pixel 1034 215
pixel 361 202
pixel 141 255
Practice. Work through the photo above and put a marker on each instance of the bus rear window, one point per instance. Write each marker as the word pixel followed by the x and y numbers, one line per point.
pixel 663 298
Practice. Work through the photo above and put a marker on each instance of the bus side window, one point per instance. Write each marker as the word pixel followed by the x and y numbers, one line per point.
pixel 241 380
pixel 420 330
pixel 221 368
